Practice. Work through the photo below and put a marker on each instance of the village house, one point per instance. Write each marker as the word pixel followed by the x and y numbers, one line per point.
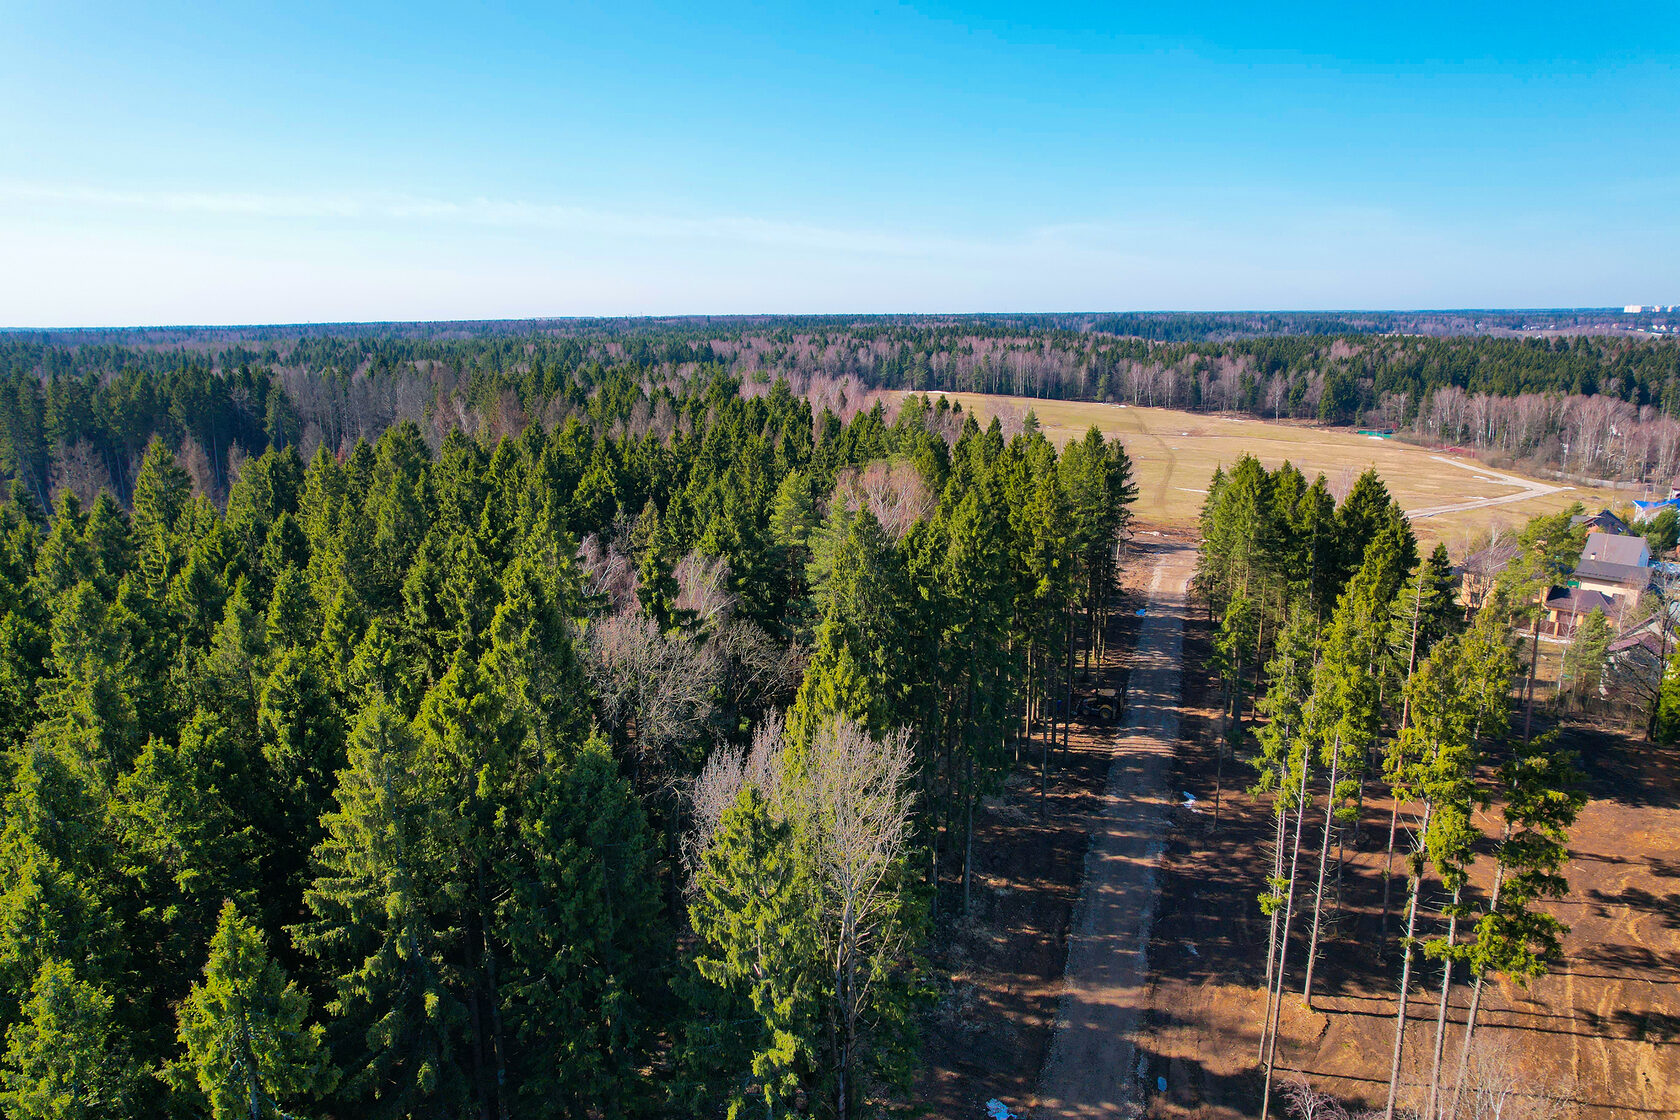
pixel 1481 570
pixel 1566 607
pixel 1601 522
pixel 1618 567
pixel 1633 551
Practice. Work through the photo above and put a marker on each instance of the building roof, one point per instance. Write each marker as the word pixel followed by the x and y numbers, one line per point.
pixel 1603 521
pixel 1645 511
pixel 1492 561
pixel 1636 576
pixel 1617 550
pixel 1647 642
pixel 1576 600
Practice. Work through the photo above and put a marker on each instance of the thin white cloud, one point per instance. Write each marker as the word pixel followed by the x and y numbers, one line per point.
pixel 490 212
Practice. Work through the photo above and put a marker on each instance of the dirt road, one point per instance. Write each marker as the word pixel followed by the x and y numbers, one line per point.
pixel 1092 1069
pixel 1530 489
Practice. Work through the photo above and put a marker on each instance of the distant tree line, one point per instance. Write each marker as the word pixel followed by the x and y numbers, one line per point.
pixel 76 409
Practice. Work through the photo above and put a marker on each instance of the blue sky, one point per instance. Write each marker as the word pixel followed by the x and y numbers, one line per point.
pixel 195 163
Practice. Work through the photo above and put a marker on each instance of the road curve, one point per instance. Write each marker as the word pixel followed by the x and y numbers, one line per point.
pixel 1530 489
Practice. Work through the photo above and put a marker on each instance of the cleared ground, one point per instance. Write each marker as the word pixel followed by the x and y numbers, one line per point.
pixel 1090 1068
pixel 1452 498
pixel 1602 1029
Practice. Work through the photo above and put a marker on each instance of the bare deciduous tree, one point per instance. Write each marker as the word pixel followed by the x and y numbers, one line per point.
pixel 656 689
pixel 703 589
pixel 894 492
pixel 726 773
pixel 79 469
pixel 607 572
pixel 853 794
pixel 848 796
pixel 757 670
pixel 196 463
pixel 1303 1102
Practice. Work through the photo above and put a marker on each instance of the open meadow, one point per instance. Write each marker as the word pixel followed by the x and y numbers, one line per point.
pixel 1451 498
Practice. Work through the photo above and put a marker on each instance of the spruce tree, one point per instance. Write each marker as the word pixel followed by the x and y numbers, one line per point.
pixel 1542 794
pixel 250 1050
pixel 586 947
pixel 64 1057
pixel 381 881
pixel 752 1043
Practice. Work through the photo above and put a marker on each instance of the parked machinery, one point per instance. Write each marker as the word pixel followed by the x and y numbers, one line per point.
pixel 1104 706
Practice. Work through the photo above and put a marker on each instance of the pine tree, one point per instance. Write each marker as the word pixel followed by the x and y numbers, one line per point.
pixel 1583 661
pixel 249 1048
pixel 1347 710
pixel 1282 764
pixel 1542 798
pixel 1426 611
pixel 1458 696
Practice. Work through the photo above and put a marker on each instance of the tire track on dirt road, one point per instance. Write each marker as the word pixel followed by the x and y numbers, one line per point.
pixel 1091 1068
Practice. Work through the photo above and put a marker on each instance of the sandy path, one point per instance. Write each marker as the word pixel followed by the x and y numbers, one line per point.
pixel 1530 489
pixel 1091 1067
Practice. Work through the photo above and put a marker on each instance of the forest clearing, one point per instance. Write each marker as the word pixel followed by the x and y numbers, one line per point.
pixel 1493 860
pixel 1604 1025
pixel 1174 452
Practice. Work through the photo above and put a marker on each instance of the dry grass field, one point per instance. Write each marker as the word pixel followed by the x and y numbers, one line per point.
pixel 1452 498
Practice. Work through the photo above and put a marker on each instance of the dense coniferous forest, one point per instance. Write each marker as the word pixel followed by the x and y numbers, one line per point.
pixel 504 728
pixel 1346 663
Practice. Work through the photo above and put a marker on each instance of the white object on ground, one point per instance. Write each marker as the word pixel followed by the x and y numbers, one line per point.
pixel 1191 945
pixel 1190 802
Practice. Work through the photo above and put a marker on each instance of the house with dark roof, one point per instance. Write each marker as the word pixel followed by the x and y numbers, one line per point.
pixel 1618 567
pixel 1622 582
pixel 1566 607
pixel 1601 522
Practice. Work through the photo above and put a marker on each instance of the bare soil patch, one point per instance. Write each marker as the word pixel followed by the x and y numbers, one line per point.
pixel 1606 1022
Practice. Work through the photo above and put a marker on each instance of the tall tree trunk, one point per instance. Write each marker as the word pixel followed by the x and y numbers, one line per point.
pixel 492 996
pixel 1278 839
pixel 1533 662
pixel 1476 995
pixel 1276 1011
pixel 1441 1010
pixel 1067 688
pixel 1231 729
pixel 1405 977
pixel 1323 863
pixel 1388 861
pixel 968 832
